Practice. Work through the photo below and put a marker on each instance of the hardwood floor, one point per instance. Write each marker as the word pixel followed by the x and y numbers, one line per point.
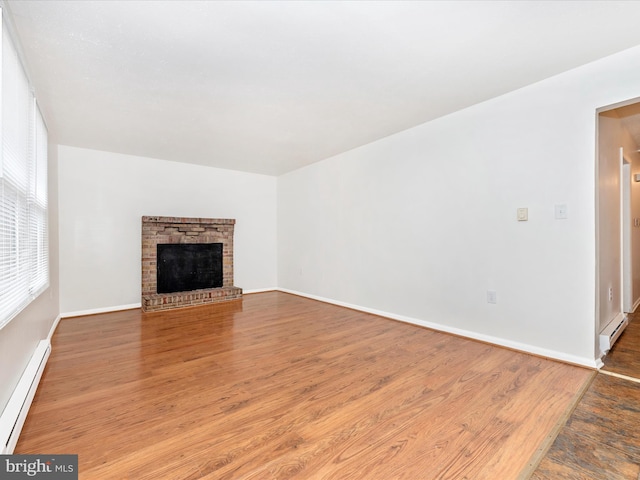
pixel 624 357
pixel 601 440
pixel 277 386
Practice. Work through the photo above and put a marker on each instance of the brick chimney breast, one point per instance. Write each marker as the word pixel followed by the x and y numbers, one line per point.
pixel 172 230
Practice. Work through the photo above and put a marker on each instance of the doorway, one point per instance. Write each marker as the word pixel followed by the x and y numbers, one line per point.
pixel 618 236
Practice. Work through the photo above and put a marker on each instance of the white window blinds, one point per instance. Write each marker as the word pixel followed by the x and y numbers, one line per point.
pixel 24 243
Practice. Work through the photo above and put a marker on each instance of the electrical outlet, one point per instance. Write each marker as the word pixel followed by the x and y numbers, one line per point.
pixel 492 296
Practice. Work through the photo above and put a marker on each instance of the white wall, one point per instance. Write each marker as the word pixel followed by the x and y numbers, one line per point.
pixel 103 197
pixel 609 221
pixel 630 149
pixel 19 338
pixel 421 224
pixel 612 135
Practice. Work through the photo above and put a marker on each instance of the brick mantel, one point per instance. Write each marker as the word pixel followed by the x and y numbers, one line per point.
pixel 171 230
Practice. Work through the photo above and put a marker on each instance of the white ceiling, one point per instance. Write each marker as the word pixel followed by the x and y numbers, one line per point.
pixel 269 86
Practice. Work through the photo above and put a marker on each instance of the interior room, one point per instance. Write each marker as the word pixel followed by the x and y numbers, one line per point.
pixel 417 181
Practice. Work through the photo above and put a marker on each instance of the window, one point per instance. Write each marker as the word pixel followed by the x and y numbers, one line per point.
pixel 24 242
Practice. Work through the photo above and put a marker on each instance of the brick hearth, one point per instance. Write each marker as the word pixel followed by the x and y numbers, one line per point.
pixel 161 230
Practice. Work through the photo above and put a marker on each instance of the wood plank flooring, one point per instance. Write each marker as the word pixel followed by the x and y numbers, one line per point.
pixel 276 386
pixel 601 439
pixel 624 357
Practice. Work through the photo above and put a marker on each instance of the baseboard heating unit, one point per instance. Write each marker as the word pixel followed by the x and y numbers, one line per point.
pixel 611 332
pixel 14 414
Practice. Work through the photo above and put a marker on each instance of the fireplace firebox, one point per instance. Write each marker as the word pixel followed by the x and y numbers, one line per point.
pixel 183 267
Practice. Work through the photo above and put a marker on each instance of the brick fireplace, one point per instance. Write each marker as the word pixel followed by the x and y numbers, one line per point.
pixel 178 230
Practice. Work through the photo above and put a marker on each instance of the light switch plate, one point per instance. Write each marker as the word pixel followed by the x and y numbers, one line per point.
pixel 492 296
pixel 561 211
pixel 523 214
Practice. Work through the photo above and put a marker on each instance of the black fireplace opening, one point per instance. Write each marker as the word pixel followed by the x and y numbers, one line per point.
pixel 182 267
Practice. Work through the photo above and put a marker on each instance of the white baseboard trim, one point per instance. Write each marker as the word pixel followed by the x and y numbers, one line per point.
pixel 15 413
pixel 52 330
pixel 94 311
pixel 260 290
pixel 523 347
